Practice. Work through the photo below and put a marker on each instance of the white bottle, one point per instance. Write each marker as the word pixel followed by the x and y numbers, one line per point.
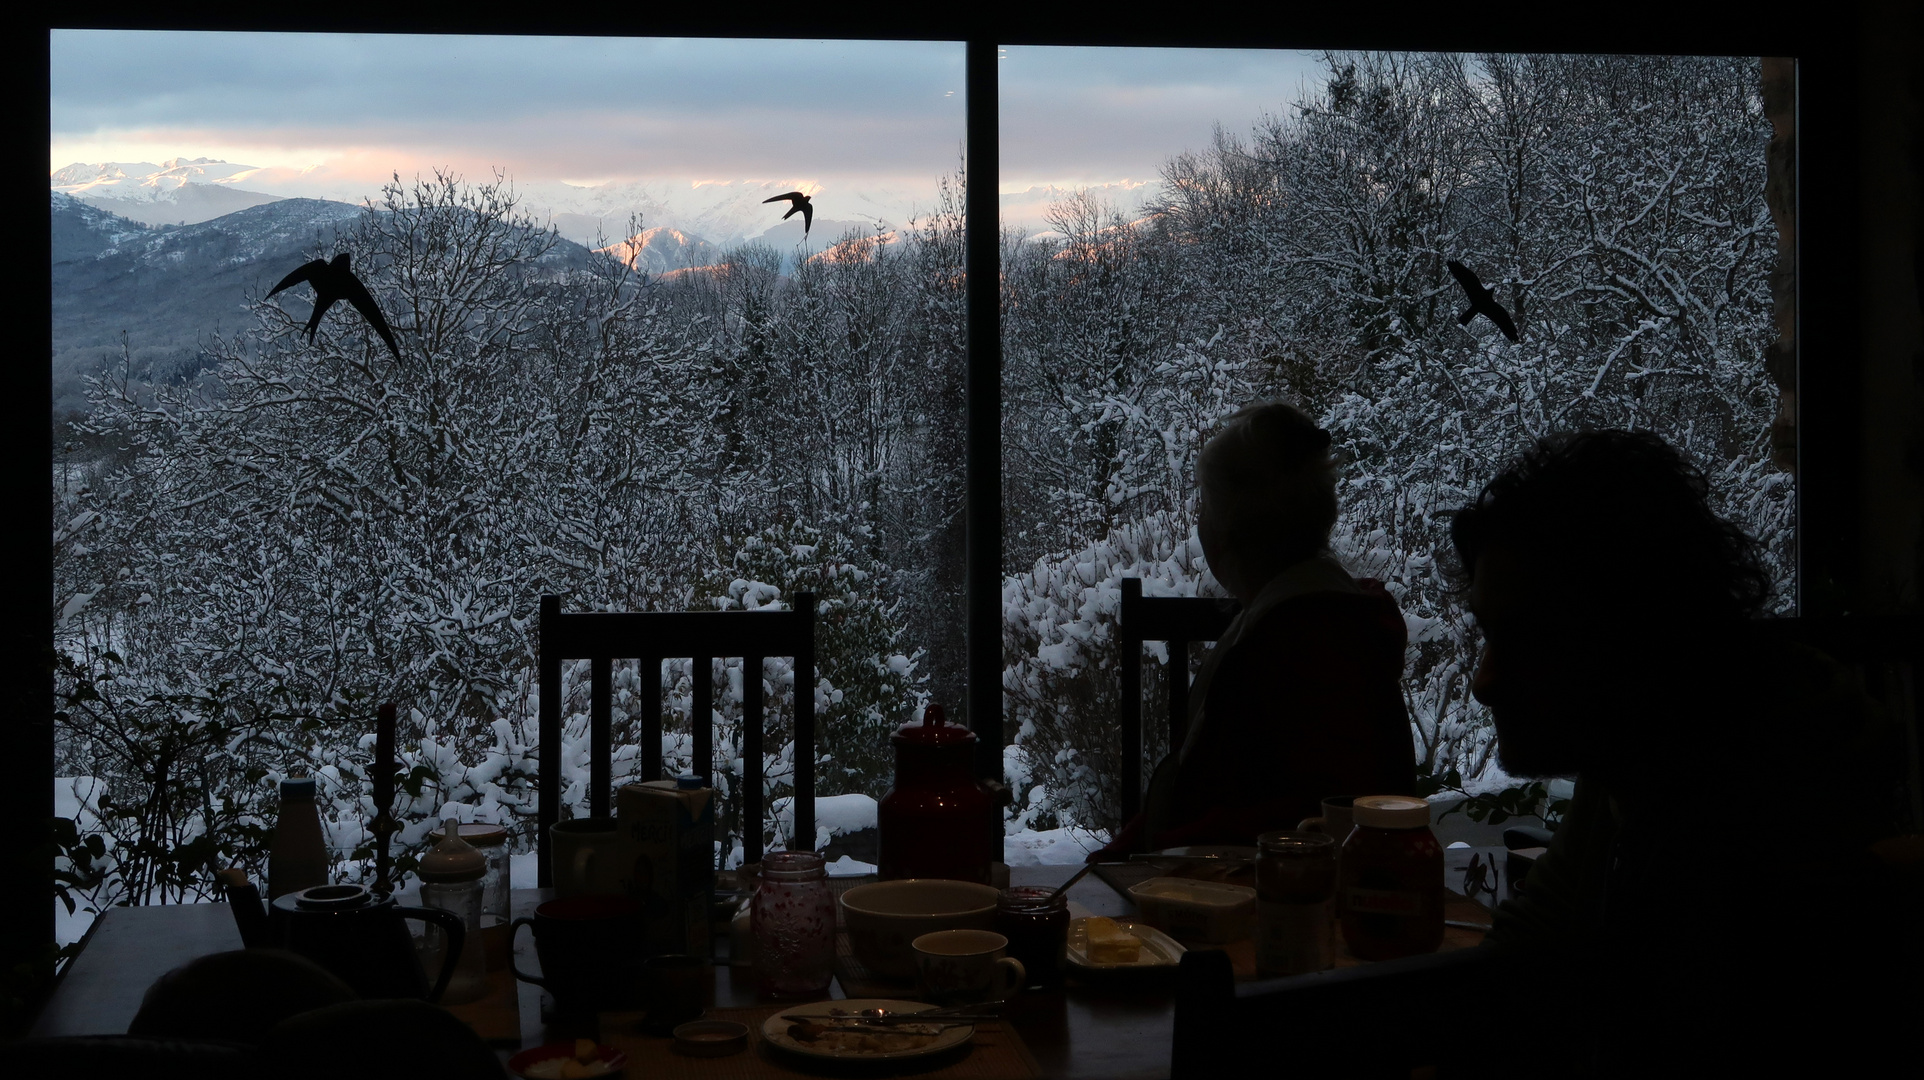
pixel 451 876
pixel 298 859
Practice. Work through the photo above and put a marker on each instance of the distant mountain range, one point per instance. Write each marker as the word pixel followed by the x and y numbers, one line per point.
pixel 704 217
pixel 168 253
pixel 167 287
pixel 701 219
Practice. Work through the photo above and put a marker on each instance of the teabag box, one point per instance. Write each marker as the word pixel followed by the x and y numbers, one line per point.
pixel 670 827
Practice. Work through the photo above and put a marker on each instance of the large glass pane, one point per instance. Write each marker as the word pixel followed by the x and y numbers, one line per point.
pixel 625 370
pixel 1616 205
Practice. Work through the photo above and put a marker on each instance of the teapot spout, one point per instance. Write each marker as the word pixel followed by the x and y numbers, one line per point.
pixel 250 915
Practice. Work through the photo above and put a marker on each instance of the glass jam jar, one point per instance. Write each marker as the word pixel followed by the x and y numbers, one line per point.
pixel 496 914
pixel 1391 880
pixel 793 920
pixel 933 822
pixel 1295 903
pixel 1035 919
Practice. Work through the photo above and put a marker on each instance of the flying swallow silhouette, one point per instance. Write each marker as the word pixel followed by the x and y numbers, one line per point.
pixel 1481 300
pixel 801 203
pixel 334 281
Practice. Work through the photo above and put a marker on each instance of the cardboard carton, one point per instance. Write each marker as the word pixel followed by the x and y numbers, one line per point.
pixel 671 831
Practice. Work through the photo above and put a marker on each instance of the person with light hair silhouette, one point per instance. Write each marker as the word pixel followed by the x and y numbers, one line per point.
pixel 1301 698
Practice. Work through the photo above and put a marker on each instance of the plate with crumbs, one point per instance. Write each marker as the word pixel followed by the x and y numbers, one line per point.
pixel 841 1036
pixel 1158 950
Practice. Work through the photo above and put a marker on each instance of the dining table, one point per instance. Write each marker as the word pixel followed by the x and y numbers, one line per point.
pixel 1089 1028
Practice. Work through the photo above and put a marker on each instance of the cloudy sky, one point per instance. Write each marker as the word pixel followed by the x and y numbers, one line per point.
pixel 882 116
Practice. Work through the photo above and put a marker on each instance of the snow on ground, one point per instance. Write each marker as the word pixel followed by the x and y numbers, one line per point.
pixel 835 815
pixel 1050 847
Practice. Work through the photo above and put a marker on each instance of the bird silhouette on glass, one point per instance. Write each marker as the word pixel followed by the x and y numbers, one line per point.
pixel 334 281
pixel 1481 300
pixel 801 203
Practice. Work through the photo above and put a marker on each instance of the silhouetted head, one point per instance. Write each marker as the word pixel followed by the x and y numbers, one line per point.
pixel 1268 495
pixel 395 1039
pixel 235 996
pixel 1603 586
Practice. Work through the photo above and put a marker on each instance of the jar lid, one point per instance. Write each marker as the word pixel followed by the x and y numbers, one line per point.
pixel 934 730
pixel 297 787
pixel 688 782
pixel 452 859
pixel 793 866
pixel 1032 898
pixel 1392 812
pixel 1292 844
pixel 475 833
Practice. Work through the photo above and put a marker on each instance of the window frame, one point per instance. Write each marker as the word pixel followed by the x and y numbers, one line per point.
pixel 1829 366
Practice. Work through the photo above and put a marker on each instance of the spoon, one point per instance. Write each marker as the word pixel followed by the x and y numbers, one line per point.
pixel 1063 889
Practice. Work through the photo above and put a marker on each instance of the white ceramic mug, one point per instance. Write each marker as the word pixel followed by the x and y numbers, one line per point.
pixel 590 856
pixel 967 966
pixel 1337 819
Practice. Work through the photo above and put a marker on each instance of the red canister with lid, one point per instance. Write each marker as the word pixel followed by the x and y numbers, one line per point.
pixel 931 823
pixel 1391 880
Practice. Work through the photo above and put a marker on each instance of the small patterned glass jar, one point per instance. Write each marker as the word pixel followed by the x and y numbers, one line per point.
pixel 793 916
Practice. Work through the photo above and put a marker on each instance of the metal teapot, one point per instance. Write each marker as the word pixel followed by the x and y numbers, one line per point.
pixel 361 938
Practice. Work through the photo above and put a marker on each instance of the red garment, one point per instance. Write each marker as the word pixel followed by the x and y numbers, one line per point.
pixel 1307 705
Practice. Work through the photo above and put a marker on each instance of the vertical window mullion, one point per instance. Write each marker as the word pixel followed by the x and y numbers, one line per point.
pixel 983 600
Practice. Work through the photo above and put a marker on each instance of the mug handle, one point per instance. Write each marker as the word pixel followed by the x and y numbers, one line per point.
pixel 513 929
pixel 457 932
pixel 1013 976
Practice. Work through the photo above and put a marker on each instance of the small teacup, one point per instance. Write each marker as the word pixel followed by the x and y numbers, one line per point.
pixel 967 966
pixel 1337 819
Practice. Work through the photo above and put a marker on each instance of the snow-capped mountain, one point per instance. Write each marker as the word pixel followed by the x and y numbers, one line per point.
pixel 183 191
pixel 724 213
pixel 661 250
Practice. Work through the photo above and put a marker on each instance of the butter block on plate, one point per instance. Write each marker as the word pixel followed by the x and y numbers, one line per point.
pixel 1111 944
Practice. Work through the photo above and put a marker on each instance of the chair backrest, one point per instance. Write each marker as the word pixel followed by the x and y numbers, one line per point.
pixel 1177 620
pixel 651 637
pixel 1373 1020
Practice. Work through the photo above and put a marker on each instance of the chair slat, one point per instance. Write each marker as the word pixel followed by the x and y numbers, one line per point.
pixel 804 837
pixel 1178 671
pixel 601 685
pixel 751 759
pixel 701 720
pixel 548 724
pixel 1131 720
pixel 651 717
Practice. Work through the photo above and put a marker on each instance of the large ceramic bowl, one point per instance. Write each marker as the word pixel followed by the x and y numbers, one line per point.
pixel 883 917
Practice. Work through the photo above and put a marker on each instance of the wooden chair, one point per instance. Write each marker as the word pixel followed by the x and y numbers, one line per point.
pixel 1177 620
pixel 602 637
